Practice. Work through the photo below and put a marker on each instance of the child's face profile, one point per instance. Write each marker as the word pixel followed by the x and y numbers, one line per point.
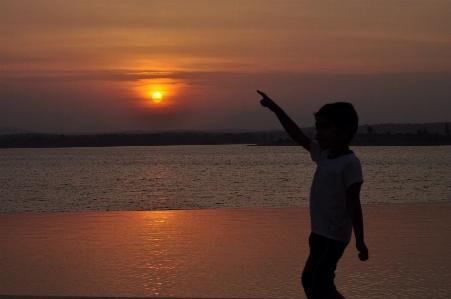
pixel 328 135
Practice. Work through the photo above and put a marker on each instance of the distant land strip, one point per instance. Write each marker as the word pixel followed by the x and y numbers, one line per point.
pixel 276 138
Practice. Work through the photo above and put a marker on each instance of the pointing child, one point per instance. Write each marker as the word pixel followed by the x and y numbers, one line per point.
pixel 335 208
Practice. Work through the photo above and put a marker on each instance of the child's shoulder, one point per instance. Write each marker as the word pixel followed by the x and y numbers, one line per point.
pixel 346 163
pixel 351 158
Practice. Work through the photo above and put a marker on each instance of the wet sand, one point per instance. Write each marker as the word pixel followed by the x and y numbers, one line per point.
pixel 253 253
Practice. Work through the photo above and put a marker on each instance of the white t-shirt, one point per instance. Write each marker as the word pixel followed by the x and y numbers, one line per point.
pixel 328 201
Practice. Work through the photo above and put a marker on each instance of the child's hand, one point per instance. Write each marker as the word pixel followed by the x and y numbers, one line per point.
pixel 363 250
pixel 267 102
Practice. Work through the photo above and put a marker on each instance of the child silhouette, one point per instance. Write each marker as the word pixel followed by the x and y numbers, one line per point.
pixel 335 208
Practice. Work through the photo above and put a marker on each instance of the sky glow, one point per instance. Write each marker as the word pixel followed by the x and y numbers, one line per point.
pixel 89 66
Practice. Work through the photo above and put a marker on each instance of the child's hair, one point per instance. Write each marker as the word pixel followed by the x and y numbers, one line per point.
pixel 342 114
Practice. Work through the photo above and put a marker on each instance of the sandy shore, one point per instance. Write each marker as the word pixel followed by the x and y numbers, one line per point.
pixel 253 253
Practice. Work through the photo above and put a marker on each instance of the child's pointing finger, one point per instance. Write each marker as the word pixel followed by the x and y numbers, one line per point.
pixel 262 94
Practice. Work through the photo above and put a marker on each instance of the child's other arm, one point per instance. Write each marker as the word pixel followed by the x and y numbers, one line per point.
pixel 355 210
pixel 288 124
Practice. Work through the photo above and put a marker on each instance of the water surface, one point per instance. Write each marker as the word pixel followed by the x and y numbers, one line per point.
pixel 234 253
pixel 205 177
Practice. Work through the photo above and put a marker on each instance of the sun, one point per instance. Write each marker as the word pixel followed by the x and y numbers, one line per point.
pixel 157 93
pixel 157 97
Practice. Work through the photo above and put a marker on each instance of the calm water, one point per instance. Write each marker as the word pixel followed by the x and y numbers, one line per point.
pixel 206 250
pixel 221 253
pixel 205 177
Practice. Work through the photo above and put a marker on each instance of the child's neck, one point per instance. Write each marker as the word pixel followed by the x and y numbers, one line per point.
pixel 339 151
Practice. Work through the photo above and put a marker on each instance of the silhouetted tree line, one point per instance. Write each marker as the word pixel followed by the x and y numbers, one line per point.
pixel 422 137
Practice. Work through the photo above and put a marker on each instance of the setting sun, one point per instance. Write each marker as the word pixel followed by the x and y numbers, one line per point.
pixel 157 97
pixel 158 94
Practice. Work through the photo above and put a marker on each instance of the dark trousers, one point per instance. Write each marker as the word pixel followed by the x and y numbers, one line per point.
pixel 319 271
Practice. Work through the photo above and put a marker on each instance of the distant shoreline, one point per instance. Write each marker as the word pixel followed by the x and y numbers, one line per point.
pixel 34 140
pixel 384 140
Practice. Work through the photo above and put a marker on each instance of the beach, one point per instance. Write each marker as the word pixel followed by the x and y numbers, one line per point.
pixel 234 253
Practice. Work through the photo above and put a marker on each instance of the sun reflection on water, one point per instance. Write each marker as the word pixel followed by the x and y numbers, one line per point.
pixel 214 253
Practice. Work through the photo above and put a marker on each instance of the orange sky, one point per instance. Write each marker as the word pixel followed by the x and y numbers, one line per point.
pixel 79 66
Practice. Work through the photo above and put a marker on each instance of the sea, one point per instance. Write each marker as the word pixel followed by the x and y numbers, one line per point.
pixel 205 177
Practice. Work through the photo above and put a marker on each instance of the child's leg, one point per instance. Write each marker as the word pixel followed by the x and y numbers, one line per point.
pixel 319 271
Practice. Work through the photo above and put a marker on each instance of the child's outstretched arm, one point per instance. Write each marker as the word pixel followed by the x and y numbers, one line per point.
pixel 355 211
pixel 288 124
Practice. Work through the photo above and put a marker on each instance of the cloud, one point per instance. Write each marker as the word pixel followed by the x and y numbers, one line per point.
pixel 304 36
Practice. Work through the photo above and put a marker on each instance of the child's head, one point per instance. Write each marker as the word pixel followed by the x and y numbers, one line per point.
pixel 342 115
